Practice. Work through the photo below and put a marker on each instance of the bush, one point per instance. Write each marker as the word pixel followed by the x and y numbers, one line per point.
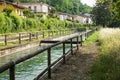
pixel 17 22
pixel 9 25
pixel 114 23
pixel 31 24
pixel 7 11
pixel 2 22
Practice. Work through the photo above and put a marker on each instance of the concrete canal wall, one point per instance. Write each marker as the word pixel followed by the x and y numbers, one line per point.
pixel 14 49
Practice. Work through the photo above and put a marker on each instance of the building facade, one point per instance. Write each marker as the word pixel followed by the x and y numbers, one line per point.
pixel 37 7
pixel 14 7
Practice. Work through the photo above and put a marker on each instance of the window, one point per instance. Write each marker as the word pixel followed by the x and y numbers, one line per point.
pixel 29 7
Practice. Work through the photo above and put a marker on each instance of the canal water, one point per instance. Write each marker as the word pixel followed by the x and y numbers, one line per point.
pixel 29 69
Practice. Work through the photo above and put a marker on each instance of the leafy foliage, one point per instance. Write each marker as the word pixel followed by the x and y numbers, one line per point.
pixel 7 11
pixel 116 9
pixel 27 13
pixel 107 12
pixel 66 6
pixel 15 23
pixel 101 13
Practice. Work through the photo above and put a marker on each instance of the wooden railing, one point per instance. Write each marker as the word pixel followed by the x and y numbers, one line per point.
pixel 28 36
pixel 11 65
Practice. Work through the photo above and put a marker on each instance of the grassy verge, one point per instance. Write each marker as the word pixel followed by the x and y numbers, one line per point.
pixel 107 65
pixel 91 39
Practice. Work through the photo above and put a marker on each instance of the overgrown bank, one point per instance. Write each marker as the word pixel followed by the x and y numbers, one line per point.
pixel 14 23
pixel 107 66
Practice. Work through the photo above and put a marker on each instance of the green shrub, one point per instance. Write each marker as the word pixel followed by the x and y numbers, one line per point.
pixel 7 11
pixel 9 25
pixel 2 22
pixel 114 23
pixel 17 22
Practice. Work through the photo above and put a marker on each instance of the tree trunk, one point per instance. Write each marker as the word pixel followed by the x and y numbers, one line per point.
pixel 103 25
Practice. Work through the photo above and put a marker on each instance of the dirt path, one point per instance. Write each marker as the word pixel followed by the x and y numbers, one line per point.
pixel 77 66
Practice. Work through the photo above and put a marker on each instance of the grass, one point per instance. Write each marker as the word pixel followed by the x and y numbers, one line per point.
pixel 107 65
pixel 91 39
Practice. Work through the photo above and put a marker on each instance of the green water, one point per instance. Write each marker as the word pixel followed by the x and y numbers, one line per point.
pixel 29 69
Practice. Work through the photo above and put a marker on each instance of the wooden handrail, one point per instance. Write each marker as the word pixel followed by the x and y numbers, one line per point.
pixel 12 37
pixel 11 65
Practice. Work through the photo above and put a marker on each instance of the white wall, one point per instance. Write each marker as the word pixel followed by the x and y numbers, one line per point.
pixel 45 8
pixel 39 7
pixel 62 17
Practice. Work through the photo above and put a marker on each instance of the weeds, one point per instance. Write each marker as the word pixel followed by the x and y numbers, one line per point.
pixel 91 39
pixel 107 66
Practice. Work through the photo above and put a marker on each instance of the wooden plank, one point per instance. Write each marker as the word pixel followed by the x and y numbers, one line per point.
pixel 67 42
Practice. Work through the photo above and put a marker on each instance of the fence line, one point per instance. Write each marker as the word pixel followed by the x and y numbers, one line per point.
pixel 11 65
pixel 19 37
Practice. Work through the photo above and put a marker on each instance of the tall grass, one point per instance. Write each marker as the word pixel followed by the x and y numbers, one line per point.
pixel 107 66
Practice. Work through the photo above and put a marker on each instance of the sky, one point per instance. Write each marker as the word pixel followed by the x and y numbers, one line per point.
pixel 89 2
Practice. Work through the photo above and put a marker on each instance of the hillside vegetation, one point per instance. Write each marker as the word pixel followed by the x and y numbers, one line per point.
pixel 14 23
pixel 66 6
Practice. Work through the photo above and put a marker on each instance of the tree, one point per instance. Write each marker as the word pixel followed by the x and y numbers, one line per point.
pixel 53 10
pixel 116 9
pixel 66 6
pixel 102 13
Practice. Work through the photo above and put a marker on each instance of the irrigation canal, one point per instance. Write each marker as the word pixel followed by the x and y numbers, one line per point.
pixel 30 68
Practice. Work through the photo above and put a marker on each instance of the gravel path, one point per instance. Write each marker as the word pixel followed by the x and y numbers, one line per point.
pixel 77 66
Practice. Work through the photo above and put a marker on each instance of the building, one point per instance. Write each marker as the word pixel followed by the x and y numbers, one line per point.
pixel 37 7
pixel 64 16
pixel 86 18
pixel 15 7
pixel 78 18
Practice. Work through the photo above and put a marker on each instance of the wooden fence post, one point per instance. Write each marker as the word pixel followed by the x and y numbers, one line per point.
pixel 19 38
pixel 71 47
pixel 5 39
pixel 77 43
pixel 12 72
pixel 81 39
pixel 64 61
pixel 29 36
pixel 49 63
